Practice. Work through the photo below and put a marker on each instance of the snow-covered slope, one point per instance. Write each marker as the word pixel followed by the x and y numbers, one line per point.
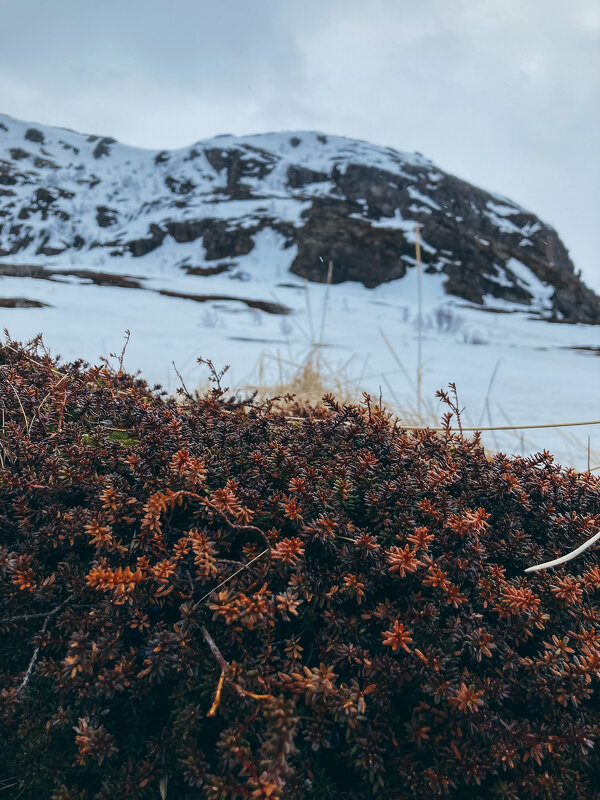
pixel 86 201
pixel 203 251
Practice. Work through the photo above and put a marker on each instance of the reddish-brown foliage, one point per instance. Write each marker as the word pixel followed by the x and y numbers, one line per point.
pixel 213 599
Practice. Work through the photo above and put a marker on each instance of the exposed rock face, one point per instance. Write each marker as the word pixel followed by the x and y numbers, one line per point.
pixel 324 198
pixel 359 251
pixel 33 135
pixel 464 240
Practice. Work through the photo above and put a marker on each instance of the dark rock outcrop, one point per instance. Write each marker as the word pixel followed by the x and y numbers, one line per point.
pixel 34 135
pixel 297 177
pixel 103 147
pixel 105 217
pixel 358 251
pixel 141 247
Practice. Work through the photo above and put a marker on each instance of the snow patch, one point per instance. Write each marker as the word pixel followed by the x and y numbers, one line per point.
pixel 540 292
pixel 415 194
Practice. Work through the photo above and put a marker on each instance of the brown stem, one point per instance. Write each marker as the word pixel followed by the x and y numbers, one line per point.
pixel 238 527
pixel 214 649
pixel 230 577
pixel 22 618
pixel 36 652
pixel 224 667
pixel 213 709
pixel 254 529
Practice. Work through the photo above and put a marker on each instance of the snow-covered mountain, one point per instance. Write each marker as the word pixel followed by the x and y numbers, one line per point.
pixel 203 251
pixel 68 199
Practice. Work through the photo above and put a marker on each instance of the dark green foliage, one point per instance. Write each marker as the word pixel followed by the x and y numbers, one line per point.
pixel 214 600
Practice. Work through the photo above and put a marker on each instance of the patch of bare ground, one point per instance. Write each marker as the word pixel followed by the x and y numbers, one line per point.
pixel 48 274
pixel 208 271
pixel 130 282
pixel 262 305
pixel 21 302
pixel 104 278
pixel 587 349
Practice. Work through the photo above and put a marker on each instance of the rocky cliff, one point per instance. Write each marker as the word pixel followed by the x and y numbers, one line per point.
pixel 71 202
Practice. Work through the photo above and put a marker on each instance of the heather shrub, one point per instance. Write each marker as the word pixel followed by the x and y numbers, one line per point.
pixel 208 599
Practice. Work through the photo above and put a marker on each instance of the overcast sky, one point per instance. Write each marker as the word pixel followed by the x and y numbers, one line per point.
pixel 503 93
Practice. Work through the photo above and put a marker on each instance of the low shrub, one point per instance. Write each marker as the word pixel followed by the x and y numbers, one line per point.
pixel 210 599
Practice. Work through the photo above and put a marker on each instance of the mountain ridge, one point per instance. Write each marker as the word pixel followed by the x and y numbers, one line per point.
pixel 89 202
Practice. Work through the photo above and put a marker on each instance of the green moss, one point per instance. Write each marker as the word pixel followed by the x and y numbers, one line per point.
pixel 124 438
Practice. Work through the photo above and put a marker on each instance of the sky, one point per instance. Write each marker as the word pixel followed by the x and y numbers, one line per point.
pixel 502 93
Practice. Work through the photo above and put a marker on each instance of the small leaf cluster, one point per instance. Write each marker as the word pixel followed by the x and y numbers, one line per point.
pixel 202 597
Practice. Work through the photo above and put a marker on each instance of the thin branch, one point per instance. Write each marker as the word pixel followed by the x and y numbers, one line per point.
pixel 237 526
pixel 479 428
pixel 215 375
pixel 213 709
pixel 26 617
pixel 122 356
pixel 183 386
pixel 488 393
pixel 218 656
pixel 22 618
pixel 324 309
pixel 33 360
pixel 237 572
pixel 22 409
pixel 555 562
pixel 36 652
pixel 396 359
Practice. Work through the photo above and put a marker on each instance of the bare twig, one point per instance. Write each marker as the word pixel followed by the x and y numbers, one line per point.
pixel 213 709
pixel 22 409
pixel 214 649
pixel 420 318
pixel 563 559
pixel 238 527
pixel 218 656
pixel 215 375
pixel 33 360
pixel 397 359
pixel 237 572
pixel 36 652
pixel 324 309
pixel 186 391
pixel 589 454
pixel 489 391
pixel 455 407
pixel 122 356
pixel 22 618
pixel 309 312
pixel 488 428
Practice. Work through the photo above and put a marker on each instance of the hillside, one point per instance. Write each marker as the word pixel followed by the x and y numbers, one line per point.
pixel 204 251
pixel 234 206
